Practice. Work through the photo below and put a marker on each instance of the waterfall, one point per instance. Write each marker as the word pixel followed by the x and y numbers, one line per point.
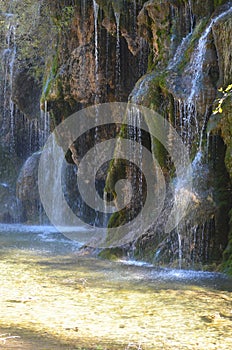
pixel 30 131
pixel 136 157
pixel 96 99
pixel 174 62
pixel 107 56
pixel 173 36
pixel 44 126
pixel 83 8
pixel 132 135
pixel 179 249
pixel 199 55
pixel 118 54
pixel 36 130
pixel 51 182
pixel 191 15
pixel 135 15
pixel 11 66
pixel 8 57
pixel 95 11
pixel 179 52
pixel 189 121
pixel 187 107
pixel 22 134
pixel 192 130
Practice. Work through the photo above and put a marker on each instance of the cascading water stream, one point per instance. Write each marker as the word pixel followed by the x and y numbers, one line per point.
pixel 191 17
pixel 118 54
pixel 179 52
pixel 136 157
pixel 96 10
pixel 11 66
pixel 135 15
pixel 173 36
pixel 188 109
pixel 36 129
pixel 191 129
pixel 83 8
pixel 107 56
pixel 9 55
pixel 187 106
pixel 179 249
pixel 199 55
pixel 185 41
pixel 44 126
pixel 132 135
pixel 96 98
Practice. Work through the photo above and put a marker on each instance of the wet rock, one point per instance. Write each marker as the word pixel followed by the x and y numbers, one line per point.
pixel 27 183
pixel 27 187
pixel 11 210
pixel 26 94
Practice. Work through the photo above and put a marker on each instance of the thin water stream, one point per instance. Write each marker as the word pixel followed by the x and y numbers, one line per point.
pixel 118 65
pixel 53 298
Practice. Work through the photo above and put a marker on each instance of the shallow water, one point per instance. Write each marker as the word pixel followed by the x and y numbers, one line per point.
pixel 53 298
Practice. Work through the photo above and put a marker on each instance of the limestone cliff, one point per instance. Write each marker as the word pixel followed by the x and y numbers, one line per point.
pixel 170 55
pixel 189 61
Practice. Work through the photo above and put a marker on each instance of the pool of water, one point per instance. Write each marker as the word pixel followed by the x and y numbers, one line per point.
pixel 51 297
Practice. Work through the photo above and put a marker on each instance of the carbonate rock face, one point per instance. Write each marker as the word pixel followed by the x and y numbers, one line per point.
pixel 173 57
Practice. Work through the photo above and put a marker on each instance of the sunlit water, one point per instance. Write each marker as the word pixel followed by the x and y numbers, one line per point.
pixel 54 298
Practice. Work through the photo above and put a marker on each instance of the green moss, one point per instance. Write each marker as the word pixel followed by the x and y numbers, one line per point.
pixel 226 266
pixel 151 63
pixel 34 34
pixel 192 44
pixel 63 18
pixel 223 113
pixel 116 172
pixel 53 90
pixel 225 125
pixel 118 219
pixel 146 251
pixel 111 254
pixel 154 99
pixel 159 100
pixel 219 2
pixel 51 76
pixel 160 153
pixel 107 5
pixel 55 65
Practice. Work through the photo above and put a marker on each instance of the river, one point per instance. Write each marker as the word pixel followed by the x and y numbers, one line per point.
pixel 52 297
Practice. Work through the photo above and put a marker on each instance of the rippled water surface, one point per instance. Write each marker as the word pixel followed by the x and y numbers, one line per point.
pixel 53 298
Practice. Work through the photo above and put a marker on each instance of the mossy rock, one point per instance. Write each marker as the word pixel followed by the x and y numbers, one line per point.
pixel 9 167
pixel 217 3
pixel 146 250
pixel 194 39
pixel 225 125
pixel 226 266
pixel 111 254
